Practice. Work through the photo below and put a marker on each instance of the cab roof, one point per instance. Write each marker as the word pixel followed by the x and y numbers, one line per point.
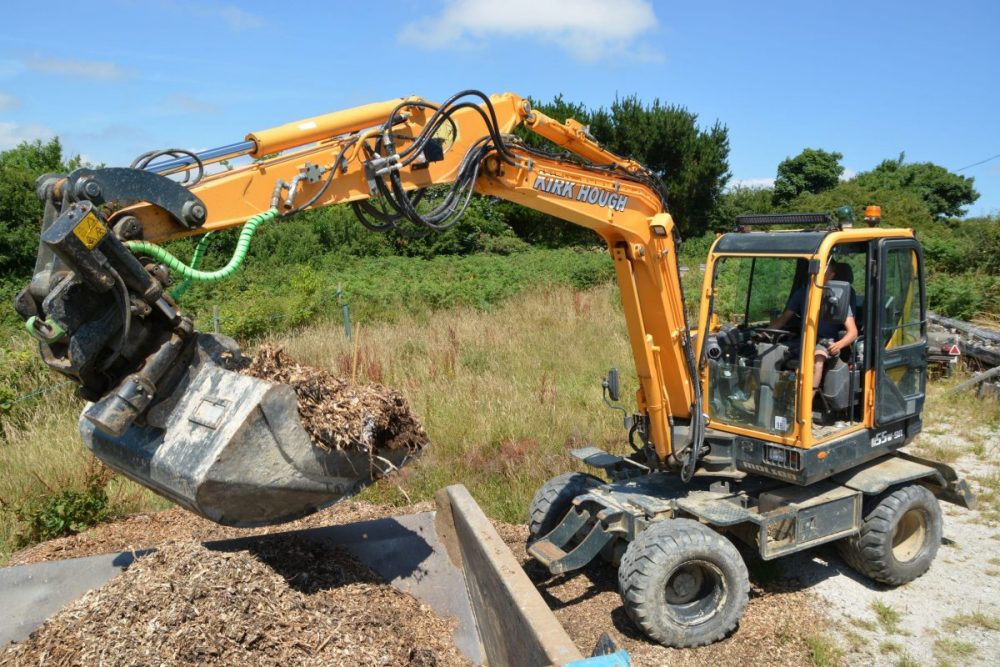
pixel 771 243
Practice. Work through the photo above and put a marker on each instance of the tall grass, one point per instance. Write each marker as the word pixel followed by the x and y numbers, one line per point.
pixel 41 456
pixel 503 394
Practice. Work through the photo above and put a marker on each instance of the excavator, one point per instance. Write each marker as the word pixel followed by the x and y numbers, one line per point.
pixel 737 438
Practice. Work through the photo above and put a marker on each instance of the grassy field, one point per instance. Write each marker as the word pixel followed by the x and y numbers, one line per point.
pixel 504 394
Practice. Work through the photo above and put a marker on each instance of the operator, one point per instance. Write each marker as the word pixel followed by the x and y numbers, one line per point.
pixel 827 344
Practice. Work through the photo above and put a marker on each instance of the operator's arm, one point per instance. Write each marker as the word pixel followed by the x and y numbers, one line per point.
pixel 850 337
pixel 792 308
pixel 781 321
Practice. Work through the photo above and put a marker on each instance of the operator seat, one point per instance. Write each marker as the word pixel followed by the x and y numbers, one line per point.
pixel 842 376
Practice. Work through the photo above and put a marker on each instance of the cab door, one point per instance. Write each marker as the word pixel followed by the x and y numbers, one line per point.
pixel 899 336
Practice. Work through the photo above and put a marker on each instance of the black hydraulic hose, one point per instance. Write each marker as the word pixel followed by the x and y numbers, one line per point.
pixel 329 179
pixel 697 417
pixel 463 187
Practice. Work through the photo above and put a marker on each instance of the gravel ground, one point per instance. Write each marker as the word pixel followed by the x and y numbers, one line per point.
pixel 936 613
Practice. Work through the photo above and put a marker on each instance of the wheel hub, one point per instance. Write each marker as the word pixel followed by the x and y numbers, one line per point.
pixel 909 535
pixel 694 592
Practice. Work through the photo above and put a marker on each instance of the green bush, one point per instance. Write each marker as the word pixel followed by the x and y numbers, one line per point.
pixel 964 296
pixel 65 510
pixel 264 298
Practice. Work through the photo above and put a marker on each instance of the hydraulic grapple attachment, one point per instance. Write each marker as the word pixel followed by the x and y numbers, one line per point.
pixel 167 408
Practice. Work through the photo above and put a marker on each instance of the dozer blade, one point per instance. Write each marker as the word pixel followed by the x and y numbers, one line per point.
pixel 230 448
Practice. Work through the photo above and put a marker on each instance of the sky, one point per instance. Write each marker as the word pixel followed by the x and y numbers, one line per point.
pixel 869 79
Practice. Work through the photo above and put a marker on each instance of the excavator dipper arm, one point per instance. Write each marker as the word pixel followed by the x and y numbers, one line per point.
pixel 100 306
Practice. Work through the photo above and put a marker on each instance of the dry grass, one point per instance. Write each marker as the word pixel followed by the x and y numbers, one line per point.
pixel 504 395
pixel 41 452
pixel 974 619
pixel 946 650
pixel 823 651
pixel 887 617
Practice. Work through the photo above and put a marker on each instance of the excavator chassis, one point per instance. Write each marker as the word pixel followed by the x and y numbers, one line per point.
pixel 768 515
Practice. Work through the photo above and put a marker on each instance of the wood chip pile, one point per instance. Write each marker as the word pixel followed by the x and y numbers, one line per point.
pixel 337 414
pixel 285 602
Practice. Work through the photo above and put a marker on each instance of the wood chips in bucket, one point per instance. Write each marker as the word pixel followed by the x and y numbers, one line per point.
pixel 285 601
pixel 340 415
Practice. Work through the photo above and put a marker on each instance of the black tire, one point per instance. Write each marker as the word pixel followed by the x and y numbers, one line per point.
pixel 554 499
pixel 683 584
pixel 899 537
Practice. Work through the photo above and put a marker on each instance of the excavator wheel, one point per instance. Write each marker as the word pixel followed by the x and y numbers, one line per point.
pixel 899 537
pixel 683 584
pixel 554 499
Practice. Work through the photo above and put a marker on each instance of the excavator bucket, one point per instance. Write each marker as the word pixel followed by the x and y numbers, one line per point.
pixel 230 447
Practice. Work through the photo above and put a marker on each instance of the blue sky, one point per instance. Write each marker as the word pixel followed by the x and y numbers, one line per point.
pixel 868 79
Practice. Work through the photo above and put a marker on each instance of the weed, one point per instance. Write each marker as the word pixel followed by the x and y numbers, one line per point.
pixel 887 617
pixel 65 508
pixel 823 651
pixel 856 640
pixel 890 647
pixel 869 626
pixel 976 618
pixel 954 649
pixel 989 496
pixel 907 660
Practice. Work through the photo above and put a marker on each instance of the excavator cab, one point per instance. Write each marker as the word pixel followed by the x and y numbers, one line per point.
pixel 760 376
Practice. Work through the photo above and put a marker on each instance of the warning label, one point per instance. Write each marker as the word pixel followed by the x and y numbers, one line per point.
pixel 90 231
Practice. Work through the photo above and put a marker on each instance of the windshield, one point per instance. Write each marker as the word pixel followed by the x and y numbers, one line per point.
pixel 755 290
pixel 752 376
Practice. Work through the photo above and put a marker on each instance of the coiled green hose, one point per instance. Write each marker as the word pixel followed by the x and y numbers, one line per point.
pixel 191 273
pixel 199 251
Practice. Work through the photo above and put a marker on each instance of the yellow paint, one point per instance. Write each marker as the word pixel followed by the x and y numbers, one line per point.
pixel 628 215
pixel 90 231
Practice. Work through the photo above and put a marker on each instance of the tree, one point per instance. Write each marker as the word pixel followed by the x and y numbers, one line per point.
pixel 690 162
pixel 813 170
pixel 739 200
pixel 20 210
pixel 944 193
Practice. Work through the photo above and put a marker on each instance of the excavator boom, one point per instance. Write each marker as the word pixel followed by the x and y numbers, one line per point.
pixel 167 410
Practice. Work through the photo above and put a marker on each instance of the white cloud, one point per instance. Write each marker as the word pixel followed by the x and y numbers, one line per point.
pixel 96 70
pixel 848 174
pixel 751 183
pixel 11 134
pixel 9 102
pixel 191 104
pixel 238 19
pixel 587 29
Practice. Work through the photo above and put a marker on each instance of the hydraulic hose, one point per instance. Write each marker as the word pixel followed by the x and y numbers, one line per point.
pixel 199 251
pixel 191 273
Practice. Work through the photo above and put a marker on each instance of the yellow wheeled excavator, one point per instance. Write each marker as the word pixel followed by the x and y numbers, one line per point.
pixel 734 435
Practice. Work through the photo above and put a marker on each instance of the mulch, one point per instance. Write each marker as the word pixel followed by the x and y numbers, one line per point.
pixel 284 601
pixel 338 414
pixel 773 631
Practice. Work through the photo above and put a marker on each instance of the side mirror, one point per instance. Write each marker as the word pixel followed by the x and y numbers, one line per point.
pixel 836 300
pixel 611 384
